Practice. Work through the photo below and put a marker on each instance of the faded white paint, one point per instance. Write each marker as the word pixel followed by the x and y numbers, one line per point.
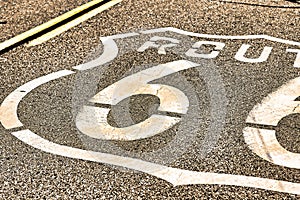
pixel 277 105
pixel 110 52
pixel 174 176
pixel 110 49
pixel 240 55
pixel 161 48
pixel 227 37
pixel 297 60
pixel 213 54
pixel 265 144
pixel 272 109
pixel 93 121
pixel 171 99
pixel 8 110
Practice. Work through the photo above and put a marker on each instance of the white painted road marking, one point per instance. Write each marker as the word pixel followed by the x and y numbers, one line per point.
pixel 8 110
pixel 92 121
pixel 161 48
pixel 172 175
pixel 110 52
pixel 272 109
pixel 227 37
pixel 213 54
pixel 261 141
pixel 240 55
pixel 297 60
pixel 265 144
pixel 138 84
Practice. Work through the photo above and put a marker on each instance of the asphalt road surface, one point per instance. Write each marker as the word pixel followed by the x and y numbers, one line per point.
pixel 206 108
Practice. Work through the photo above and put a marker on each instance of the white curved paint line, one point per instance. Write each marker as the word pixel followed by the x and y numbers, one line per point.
pixel 110 52
pixel 270 111
pixel 137 84
pixel 277 105
pixel 92 121
pixel 238 37
pixel 123 35
pixel 265 144
pixel 173 175
pixel 8 110
pixel 171 98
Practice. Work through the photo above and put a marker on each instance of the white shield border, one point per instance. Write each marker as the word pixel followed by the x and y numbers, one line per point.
pixel 9 119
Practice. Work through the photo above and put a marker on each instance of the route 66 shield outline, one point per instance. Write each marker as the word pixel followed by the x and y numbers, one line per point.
pixel 172 175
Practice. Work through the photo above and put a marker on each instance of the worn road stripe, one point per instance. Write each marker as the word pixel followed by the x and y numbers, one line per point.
pixel 8 109
pixel 72 23
pixel 226 37
pixel 46 25
pixel 174 176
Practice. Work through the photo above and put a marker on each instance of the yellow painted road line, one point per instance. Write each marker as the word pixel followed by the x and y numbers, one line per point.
pixel 72 23
pixel 46 25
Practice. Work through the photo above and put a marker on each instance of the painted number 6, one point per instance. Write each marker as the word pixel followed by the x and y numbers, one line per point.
pixel 272 109
pixel 92 120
